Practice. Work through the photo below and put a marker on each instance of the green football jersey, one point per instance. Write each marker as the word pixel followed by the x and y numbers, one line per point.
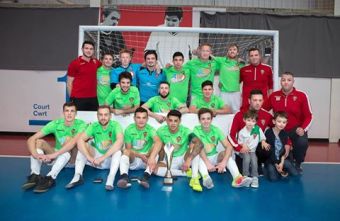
pixel 140 140
pixel 229 74
pixel 214 103
pixel 104 138
pixel 158 105
pixel 62 132
pixel 103 84
pixel 209 139
pixel 180 139
pixel 122 100
pixel 179 83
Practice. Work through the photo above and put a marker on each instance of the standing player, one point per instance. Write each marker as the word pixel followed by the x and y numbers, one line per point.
pixel 178 78
pixel 256 75
pixel 103 78
pixel 229 79
pixel 104 152
pixel 297 106
pixel 149 78
pixel 163 103
pixel 125 57
pixel 186 152
pixel 139 139
pixel 125 98
pixel 211 158
pixel 82 79
pixel 201 69
pixel 209 100
pixel 65 131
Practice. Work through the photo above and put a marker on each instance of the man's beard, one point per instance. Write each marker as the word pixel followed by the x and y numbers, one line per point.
pixel 164 96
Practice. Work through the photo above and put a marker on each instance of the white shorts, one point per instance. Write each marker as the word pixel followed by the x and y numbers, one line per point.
pixel 177 162
pixel 137 164
pixel 232 99
pixel 213 159
pixel 105 164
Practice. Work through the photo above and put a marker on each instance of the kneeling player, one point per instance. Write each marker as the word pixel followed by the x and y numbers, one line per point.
pixel 186 152
pixel 65 131
pixel 139 139
pixel 103 152
pixel 211 160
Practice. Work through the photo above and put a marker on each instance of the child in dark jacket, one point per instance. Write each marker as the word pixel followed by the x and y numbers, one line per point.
pixel 278 163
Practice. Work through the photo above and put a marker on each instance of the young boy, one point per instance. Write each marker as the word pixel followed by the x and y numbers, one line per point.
pixel 249 137
pixel 103 78
pixel 280 144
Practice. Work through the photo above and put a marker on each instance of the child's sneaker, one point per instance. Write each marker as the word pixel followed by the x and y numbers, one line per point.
pixel 255 182
pixel 241 181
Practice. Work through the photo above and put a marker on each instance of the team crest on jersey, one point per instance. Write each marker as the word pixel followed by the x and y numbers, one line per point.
pixel 169 104
pixel 73 132
pixel 277 98
pixel 131 99
pixel 213 139
pixel 145 134
pixel 262 71
pixel 254 136
pixel 263 121
pixel 294 98
pixel 212 105
pixel 110 134
pixel 178 139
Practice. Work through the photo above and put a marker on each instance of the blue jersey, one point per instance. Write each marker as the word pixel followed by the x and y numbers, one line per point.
pixel 148 83
pixel 132 68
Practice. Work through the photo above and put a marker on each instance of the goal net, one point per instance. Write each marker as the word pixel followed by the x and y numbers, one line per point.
pixel 167 40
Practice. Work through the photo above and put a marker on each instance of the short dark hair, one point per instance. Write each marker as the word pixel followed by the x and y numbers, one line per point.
pixel 87 43
pixel 207 83
pixel 255 92
pixel 252 114
pixel 69 104
pixel 147 52
pixel 281 114
pixel 174 113
pixel 254 49
pixel 174 11
pixel 141 110
pixel 126 75
pixel 233 45
pixel 204 111
pixel 104 107
pixel 288 73
pixel 204 44
pixel 177 54
pixel 107 53
pixel 164 82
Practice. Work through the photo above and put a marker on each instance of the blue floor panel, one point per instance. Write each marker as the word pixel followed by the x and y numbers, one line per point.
pixel 314 196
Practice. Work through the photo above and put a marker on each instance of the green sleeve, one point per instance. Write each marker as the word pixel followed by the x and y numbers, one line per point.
pixel 110 98
pixel 90 130
pixel 118 128
pixel 81 127
pixel 220 103
pixel 49 128
pixel 220 134
pixel 150 103
pixel 219 61
pixel 136 102
pixel 127 137
pixel 176 103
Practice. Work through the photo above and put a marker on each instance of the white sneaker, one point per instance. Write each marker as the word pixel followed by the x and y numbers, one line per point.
pixel 208 183
pixel 255 182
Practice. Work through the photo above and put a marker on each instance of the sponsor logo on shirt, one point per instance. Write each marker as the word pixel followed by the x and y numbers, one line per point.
pixel 277 98
pixel 176 78
pixel 294 98
pixel 213 139
pixel 145 134
pixel 262 71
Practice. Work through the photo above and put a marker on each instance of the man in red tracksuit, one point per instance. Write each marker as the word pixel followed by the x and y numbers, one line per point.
pixel 256 75
pixel 264 120
pixel 297 106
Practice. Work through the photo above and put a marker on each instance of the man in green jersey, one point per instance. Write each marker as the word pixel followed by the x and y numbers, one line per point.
pixel 65 131
pixel 163 103
pixel 103 151
pixel 209 100
pixel 229 80
pixel 186 150
pixel 103 78
pixel 212 159
pixel 139 139
pixel 178 78
pixel 201 69
pixel 125 98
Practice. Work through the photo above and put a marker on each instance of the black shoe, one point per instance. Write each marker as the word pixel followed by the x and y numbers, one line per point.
pixel 74 184
pixel 298 168
pixel 32 181
pixel 144 181
pixel 44 184
pixel 124 181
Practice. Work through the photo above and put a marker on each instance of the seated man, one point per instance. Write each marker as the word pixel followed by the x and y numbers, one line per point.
pixel 163 103
pixel 209 100
pixel 103 152
pixel 125 98
pixel 186 152
pixel 211 158
pixel 65 131
pixel 139 139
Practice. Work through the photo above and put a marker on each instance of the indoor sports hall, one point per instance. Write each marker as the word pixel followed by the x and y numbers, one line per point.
pixel 270 62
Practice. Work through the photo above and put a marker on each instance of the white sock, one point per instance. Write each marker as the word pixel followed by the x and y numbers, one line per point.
pixel 59 164
pixel 113 168
pixel 147 170
pixel 232 167
pixel 195 166
pixel 124 165
pixel 162 171
pixel 79 167
pixel 202 168
pixel 36 164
